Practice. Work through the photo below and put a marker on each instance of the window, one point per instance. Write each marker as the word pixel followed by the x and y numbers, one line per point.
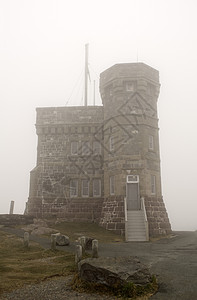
pixel 96 187
pixel 153 184
pixel 151 142
pixel 96 147
pixel 111 143
pixel 85 188
pixel 129 86
pixel 85 148
pixel 112 185
pixel 132 178
pixel 73 188
pixel 74 148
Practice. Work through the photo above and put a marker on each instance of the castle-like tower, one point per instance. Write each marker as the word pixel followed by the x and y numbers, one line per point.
pixel 102 163
pixel 132 176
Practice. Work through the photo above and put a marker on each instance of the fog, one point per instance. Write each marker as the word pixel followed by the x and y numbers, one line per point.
pixel 42 61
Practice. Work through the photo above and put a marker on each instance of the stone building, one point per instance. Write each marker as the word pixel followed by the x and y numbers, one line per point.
pixel 102 163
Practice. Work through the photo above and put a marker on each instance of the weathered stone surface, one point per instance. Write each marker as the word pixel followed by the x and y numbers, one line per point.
pixel 111 271
pixel 88 243
pixel 95 248
pixel 26 239
pixel 42 230
pixel 78 254
pixel 15 219
pixel 62 240
pixel 39 227
pixel 53 241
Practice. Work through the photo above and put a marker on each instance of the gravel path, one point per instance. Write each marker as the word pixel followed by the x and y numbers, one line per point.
pixel 56 289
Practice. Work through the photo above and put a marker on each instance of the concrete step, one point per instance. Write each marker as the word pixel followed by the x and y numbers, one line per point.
pixel 135 212
pixel 137 237
pixel 136 229
pixel 137 240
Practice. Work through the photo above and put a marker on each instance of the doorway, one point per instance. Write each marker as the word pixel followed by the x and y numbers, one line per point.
pixel 132 192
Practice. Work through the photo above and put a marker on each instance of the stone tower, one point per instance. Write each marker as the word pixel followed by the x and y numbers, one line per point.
pixel 132 176
pixel 101 163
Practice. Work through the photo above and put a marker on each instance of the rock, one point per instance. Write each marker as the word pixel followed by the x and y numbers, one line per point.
pixel 88 243
pixel 114 271
pixel 42 230
pixel 39 227
pixel 40 223
pixel 62 240
pixel 95 248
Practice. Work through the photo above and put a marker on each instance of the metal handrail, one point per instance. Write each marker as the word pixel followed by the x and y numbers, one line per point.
pixel 125 208
pixel 125 213
pixel 144 209
pixel 145 217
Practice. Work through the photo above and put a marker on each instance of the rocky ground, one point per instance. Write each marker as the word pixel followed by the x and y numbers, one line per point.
pixel 58 289
pixel 173 260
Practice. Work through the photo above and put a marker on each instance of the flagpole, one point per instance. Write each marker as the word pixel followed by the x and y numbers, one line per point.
pixel 86 74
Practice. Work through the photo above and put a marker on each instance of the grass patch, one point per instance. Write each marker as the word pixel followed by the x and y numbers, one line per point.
pixel 19 266
pixel 127 291
pixel 75 230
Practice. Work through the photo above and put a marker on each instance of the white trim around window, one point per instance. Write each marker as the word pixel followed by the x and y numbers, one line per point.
pixel 74 148
pixel 85 188
pixel 112 185
pixel 111 143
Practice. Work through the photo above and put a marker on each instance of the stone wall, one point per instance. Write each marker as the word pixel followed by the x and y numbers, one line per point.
pixel 112 215
pixel 71 210
pixel 15 219
pixel 157 216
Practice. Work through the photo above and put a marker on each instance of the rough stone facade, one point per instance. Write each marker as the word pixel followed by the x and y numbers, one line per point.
pixel 15 219
pixel 85 154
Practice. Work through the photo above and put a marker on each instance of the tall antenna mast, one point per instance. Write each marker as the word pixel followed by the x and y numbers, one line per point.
pixel 86 74
pixel 94 94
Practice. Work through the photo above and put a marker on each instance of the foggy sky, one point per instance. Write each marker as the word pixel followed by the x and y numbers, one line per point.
pixel 42 62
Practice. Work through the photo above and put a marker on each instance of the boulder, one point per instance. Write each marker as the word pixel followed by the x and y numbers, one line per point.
pixel 114 271
pixel 39 227
pixel 62 240
pixel 42 230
